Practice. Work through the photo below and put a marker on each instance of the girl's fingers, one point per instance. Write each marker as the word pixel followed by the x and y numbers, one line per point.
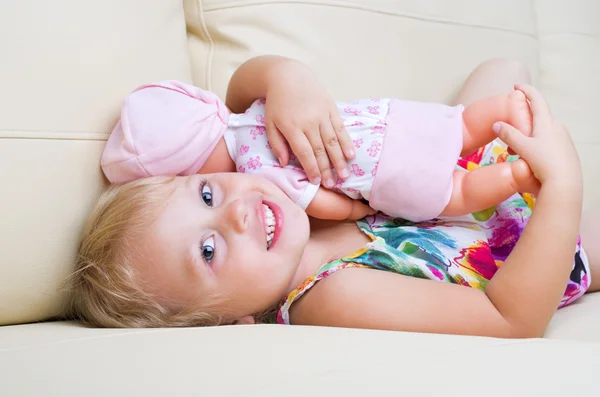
pixel 278 143
pixel 334 155
pixel 319 154
pixel 539 106
pixel 511 136
pixel 342 136
pixel 306 154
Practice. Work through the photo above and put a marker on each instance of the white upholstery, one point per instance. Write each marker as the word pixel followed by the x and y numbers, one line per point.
pixel 65 360
pixel 65 66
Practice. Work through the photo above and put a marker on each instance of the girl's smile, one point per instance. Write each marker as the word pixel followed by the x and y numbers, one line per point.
pixel 273 222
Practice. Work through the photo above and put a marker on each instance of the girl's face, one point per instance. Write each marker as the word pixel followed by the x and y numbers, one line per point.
pixel 234 236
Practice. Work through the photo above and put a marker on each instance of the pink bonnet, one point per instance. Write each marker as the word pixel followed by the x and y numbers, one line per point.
pixel 166 128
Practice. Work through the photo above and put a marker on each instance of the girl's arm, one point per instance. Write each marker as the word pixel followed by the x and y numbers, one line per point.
pixel 328 204
pixel 531 282
pixel 251 80
pixel 298 112
pixel 518 302
pixel 376 299
pixel 522 296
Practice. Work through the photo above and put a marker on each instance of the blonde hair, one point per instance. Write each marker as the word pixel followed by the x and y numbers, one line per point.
pixel 104 291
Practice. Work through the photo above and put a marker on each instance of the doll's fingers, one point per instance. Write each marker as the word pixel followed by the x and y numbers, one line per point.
pixel 360 210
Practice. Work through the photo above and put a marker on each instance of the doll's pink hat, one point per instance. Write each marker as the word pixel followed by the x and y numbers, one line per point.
pixel 166 128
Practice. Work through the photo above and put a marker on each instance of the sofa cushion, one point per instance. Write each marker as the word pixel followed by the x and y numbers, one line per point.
pixel 408 49
pixel 569 46
pixel 579 321
pixel 271 360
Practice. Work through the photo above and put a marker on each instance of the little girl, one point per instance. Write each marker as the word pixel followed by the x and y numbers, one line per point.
pixel 193 250
pixel 406 152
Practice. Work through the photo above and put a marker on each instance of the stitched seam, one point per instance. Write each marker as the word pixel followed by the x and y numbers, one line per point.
pixel 211 46
pixel 80 339
pixel 376 11
pixel 574 34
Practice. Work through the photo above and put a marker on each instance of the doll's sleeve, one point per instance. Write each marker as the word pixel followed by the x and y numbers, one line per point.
pixel 293 182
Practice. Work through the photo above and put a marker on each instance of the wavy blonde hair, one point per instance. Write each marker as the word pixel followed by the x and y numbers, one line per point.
pixel 103 291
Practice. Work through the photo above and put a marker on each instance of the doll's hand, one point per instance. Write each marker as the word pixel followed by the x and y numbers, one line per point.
pixel 360 210
pixel 549 151
pixel 300 112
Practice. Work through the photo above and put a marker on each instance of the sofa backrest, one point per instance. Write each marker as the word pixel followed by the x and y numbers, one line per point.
pixel 66 65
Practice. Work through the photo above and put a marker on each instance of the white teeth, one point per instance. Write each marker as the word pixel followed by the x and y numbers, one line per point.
pixel 269 225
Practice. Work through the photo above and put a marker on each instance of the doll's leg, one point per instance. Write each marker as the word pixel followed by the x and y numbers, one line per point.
pixel 487 186
pixel 492 77
pixel 480 115
pixel 590 239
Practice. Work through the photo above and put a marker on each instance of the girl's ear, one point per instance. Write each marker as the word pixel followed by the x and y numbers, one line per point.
pixel 246 320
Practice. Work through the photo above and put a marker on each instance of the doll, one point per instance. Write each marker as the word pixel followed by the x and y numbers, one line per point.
pixel 405 163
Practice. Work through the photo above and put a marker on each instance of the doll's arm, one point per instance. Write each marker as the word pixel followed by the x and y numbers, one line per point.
pixel 328 204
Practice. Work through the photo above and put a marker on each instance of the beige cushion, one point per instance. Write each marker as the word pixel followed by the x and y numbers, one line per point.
pixel 66 65
pixel 404 48
pixel 579 321
pixel 569 53
pixel 290 361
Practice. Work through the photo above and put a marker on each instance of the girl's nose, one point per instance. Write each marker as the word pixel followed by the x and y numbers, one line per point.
pixel 237 215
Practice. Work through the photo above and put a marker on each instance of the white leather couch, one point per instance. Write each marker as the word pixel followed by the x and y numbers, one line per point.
pixel 65 65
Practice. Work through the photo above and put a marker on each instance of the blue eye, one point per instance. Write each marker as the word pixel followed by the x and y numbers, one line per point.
pixel 207 249
pixel 206 194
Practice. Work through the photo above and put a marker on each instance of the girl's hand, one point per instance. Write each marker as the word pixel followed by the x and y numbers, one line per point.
pixel 549 151
pixel 299 111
